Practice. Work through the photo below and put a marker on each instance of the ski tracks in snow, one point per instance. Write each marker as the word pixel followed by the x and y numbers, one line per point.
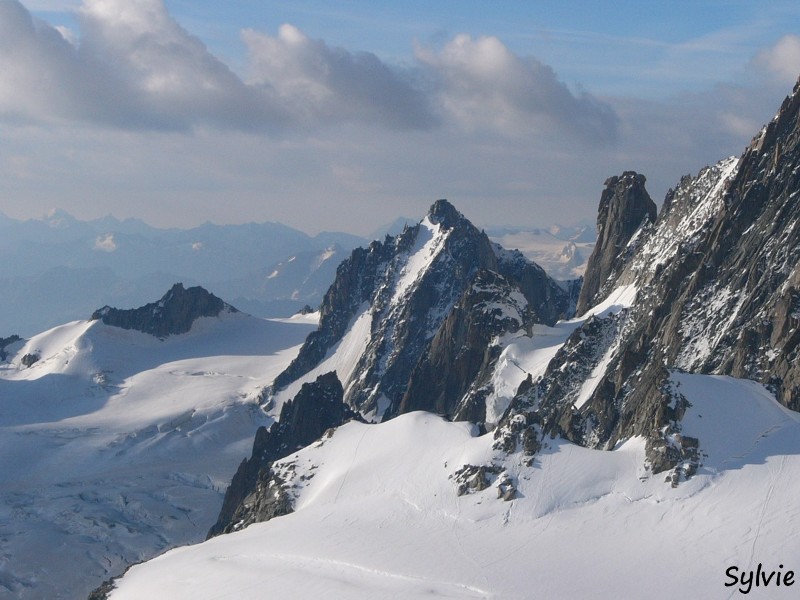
pixel 363 581
pixel 454 531
pixel 350 466
pixel 774 477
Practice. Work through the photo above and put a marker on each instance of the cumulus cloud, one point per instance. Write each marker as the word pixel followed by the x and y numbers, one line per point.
pixel 481 84
pixel 324 83
pixel 39 69
pixel 173 75
pixel 133 66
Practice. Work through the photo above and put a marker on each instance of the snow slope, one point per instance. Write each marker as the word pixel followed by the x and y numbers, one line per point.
pixel 525 355
pixel 116 445
pixel 377 516
pixel 362 340
pixel 342 358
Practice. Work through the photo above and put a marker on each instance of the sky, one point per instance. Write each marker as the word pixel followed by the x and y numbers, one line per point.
pixel 343 116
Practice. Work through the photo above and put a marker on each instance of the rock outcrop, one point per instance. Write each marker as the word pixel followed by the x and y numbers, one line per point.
pixel 625 206
pixel 5 343
pixel 718 281
pixel 257 493
pixel 174 314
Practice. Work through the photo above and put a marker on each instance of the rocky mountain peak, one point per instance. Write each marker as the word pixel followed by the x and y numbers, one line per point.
pixel 625 206
pixel 172 315
pixel 444 214
pixel 716 291
pixel 781 126
pixel 398 309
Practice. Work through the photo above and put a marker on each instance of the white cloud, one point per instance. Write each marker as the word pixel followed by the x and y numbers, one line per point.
pixel 138 118
pixel 176 81
pixel 782 59
pixel 319 83
pixel 133 66
pixel 482 84
pixel 37 66
pixel 67 34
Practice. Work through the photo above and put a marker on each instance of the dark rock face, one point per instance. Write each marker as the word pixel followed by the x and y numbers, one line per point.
pixel 257 493
pixel 548 301
pixel 5 343
pixel 30 359
pixel 718 293
pixel 625 206
pixel 453 377
pixel 356 280
pixel 172 315
pixel 459 358
pixel 420 291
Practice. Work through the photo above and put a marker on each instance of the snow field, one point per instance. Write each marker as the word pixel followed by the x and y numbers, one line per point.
pixel 380 518
pixel 529 355
pixel 116 445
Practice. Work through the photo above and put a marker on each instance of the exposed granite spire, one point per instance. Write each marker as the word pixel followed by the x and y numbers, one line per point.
pixel 624 206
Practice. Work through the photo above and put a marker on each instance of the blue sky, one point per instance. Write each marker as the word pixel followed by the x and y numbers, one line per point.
pixel 344 115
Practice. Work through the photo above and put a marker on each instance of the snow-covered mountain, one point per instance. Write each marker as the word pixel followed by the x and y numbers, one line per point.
pixel 645 447
pixel 377 515
pixel 117 444
pixel 417 322
pixel 412 322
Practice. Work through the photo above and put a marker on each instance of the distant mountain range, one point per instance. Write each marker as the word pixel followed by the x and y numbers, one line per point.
pixel 58 269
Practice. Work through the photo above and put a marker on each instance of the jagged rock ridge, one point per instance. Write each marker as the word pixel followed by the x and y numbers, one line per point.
pixel 172 315
pixel 412 299
pixel 257 493
pixel 717 278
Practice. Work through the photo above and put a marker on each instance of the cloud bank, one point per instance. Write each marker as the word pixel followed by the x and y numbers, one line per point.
pixel 130 113
pixel 133 66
